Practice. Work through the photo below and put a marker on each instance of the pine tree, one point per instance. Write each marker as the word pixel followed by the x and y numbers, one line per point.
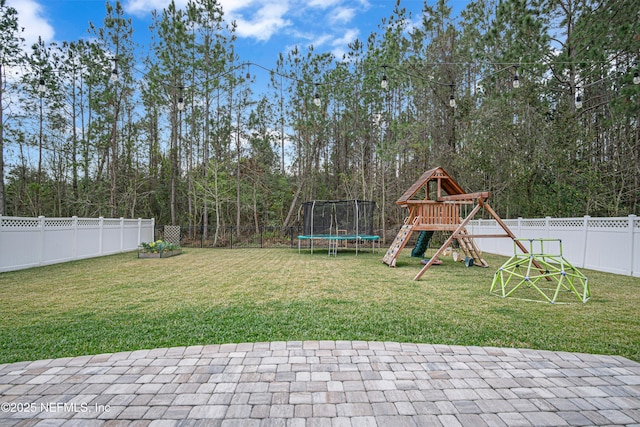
pixel 10 45
pixel 171 50
pixel 116 36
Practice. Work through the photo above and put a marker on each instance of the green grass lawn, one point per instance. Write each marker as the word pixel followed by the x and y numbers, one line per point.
pixel 206 296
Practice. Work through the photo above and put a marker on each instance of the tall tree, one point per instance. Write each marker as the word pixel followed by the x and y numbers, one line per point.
pixel 211 43
pixel 116 38
pixel 10 45
pixel 41 83
pixel 172 51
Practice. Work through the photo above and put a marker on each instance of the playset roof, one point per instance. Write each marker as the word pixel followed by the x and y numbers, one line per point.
pixel 444 181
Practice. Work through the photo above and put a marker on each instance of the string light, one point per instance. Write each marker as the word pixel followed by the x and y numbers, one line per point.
pixel 384 84
pixel 452 99
pixel 180 101
pixel 316 98
pixel 114 72
pixel 578 101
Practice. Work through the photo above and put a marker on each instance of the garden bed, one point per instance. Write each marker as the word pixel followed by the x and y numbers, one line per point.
pixel 162 254
pixel 158 249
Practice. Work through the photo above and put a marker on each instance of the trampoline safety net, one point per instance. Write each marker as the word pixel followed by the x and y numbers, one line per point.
pixel 331 217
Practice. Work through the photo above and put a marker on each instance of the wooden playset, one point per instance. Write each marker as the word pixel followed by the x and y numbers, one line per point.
pixel 435 203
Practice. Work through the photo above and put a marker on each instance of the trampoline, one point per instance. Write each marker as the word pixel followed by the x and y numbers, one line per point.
pixel 337 222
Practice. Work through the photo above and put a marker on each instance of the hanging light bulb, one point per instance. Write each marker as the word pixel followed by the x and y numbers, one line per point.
pixel 384 83
pixel 180 101
pixel 316 98
pixel 41 86
pixel 578 102
pixel 114 72
pixel 452 98
pixel 516 79
pixel 636 77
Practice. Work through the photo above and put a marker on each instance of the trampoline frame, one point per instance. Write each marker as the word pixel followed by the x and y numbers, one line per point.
pixel 339 229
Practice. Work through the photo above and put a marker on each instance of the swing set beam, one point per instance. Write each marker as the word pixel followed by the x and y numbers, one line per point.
pixel 460 231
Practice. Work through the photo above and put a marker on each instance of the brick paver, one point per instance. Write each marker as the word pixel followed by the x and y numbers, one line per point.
pixel 322 383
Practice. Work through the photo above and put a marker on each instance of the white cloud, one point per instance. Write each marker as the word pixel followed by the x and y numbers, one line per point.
pixel 340 44
pixel 343 15
pixel 265 22
pixel 322 40
pixel 263 19
pixel 30 17
pixel 232 6
pixel 348 37
pixel 323 4
pixel 143 7
pixel 258 19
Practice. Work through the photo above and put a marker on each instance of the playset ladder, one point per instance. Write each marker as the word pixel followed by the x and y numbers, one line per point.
pixel 470 249
pixel 398 244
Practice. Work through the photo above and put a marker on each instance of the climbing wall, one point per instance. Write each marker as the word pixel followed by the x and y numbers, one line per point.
pixel 398 243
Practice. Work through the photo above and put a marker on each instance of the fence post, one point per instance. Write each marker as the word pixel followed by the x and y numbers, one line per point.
pixel 631 229
pixel 547 226
pixel 41 251
pixel 100 232
pixel 121 234
pixel 585 233
pixel 74 219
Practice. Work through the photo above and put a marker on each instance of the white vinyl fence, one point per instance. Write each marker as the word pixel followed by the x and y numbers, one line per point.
pixel 31 242
pixel 603 244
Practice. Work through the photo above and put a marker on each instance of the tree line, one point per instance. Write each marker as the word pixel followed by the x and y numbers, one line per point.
pixel 537 101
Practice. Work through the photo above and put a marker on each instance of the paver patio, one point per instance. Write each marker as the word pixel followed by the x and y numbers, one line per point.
pixel 323 383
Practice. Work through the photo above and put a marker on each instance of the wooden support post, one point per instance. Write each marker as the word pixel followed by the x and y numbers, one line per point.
pixel 453 235
pixel 460 234
pixel 508 231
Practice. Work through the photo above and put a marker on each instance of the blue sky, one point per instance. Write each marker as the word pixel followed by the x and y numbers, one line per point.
pixel 265 27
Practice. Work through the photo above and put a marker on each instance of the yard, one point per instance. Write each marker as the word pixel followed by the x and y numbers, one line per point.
pixel 206 296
